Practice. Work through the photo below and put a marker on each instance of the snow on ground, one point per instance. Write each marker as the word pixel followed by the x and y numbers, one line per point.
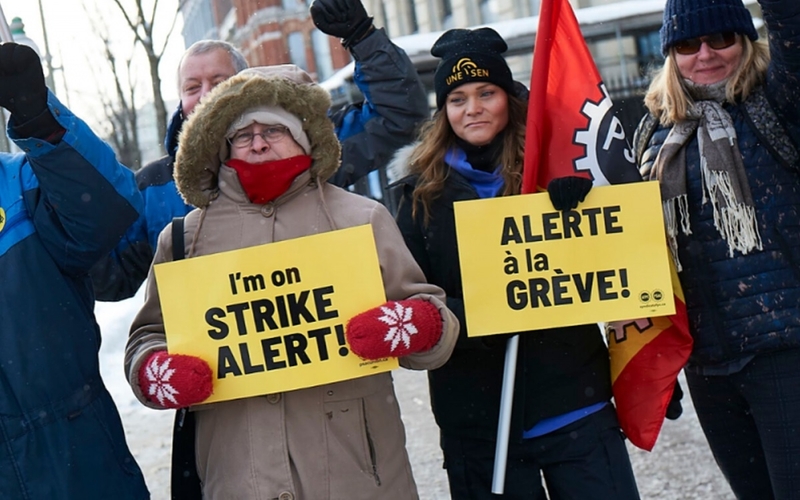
pixel 680 467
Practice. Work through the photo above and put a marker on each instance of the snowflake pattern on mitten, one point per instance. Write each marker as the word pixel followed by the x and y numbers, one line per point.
pixel 175 380
pixel 396 328
pixel 400 326
pixel 159 376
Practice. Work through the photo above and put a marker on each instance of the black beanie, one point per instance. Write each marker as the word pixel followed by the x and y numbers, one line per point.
pixel 470 56
pixel 685 19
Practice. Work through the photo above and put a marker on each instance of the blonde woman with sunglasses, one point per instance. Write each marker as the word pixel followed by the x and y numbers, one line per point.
pixel 725 116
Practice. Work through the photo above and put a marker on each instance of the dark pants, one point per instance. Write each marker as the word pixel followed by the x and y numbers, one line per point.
pixel 751 420
pixel 586 459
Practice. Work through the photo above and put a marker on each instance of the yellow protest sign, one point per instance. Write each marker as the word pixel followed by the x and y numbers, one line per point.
pixel 271 318
pixel 526 266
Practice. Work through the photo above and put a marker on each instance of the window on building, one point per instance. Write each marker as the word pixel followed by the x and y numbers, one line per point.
pixel 322 55
pixel 489 11
pixel 381 14
pixel 297 49
pixel 290 5
pixel 446 14
pixel 535 7
pixel 198 21
pixel 648 47
pixel 413 24
pixel 222 8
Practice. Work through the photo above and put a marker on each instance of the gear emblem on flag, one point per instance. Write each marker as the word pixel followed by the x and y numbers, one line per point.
pixel 605 142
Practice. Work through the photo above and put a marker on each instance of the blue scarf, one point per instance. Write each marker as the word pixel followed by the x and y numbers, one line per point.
pixel 486 184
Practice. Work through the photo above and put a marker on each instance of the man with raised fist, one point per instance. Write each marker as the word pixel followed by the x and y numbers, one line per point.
pixel 395 102
pixel 64 203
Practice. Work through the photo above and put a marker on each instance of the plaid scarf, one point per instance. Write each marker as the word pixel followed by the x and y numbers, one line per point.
pixel 723 177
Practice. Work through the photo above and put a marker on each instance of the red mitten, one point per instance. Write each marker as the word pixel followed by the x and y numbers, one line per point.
pixel 395 329
pixel 175 380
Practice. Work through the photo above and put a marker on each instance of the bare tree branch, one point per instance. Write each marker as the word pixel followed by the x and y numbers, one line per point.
pixel 143 30
pixel 153 14
pixel 121 113
pixel 127 19
pixel 169 33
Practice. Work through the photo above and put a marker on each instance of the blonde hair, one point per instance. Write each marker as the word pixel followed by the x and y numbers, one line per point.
pixel 668 100
pixel 437 137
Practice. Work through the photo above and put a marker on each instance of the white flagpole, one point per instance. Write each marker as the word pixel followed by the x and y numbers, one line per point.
pixel 5 36
pixel 5 31
pixel 504 421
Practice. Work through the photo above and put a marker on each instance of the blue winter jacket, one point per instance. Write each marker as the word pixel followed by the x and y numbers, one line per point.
pixel 749 304
pixel 62 207
pixel 370 132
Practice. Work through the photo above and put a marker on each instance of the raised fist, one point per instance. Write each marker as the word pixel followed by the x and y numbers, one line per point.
pixel 22 88
pixel 345 19
pixel 175 380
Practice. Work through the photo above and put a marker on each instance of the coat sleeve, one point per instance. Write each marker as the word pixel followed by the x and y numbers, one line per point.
pixel 403 279
pixel 412 235
pixel 395 103
pixel 85 199
pixel 147 333
pixel 120 274
pixel 783 77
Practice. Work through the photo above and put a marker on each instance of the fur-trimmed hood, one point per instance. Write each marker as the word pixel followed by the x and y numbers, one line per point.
pixel 202 140
pixel 400 164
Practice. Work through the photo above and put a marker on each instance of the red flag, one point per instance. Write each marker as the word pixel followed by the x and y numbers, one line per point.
pixel 572 130
pixel 646 357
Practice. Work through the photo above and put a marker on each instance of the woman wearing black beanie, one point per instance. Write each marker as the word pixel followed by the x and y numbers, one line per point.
pixel 722 140
pixel 563 424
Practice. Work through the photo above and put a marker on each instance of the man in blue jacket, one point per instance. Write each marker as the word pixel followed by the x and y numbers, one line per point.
pixel 64 204
pixel 394 104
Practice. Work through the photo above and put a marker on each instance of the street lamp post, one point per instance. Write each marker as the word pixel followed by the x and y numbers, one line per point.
pixel 5 36
pixel 5 33
pixel 48 59
pixel 16 33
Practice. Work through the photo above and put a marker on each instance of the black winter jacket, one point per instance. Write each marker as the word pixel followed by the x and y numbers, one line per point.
pixel 558 370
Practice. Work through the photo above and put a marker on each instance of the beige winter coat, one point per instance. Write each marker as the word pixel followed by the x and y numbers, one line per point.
pixel 338 441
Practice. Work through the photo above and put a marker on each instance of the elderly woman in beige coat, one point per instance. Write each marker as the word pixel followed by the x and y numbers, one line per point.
pixel 254 159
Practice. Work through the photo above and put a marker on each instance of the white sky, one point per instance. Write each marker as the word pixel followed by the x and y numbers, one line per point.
pixel 75 47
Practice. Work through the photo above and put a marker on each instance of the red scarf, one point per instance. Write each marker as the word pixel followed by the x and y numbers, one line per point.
pixel 263 182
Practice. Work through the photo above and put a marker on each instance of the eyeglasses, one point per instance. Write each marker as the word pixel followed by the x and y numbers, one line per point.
pixel 717 41
pixel 270 134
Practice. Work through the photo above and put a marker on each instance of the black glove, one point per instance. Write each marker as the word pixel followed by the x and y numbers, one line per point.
pixel 345 19
pixel 674 408
pixel 22 88
pixel 566 192
pixel 24 93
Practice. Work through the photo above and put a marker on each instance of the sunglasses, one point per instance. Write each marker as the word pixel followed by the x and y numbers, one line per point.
pixel 717 41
